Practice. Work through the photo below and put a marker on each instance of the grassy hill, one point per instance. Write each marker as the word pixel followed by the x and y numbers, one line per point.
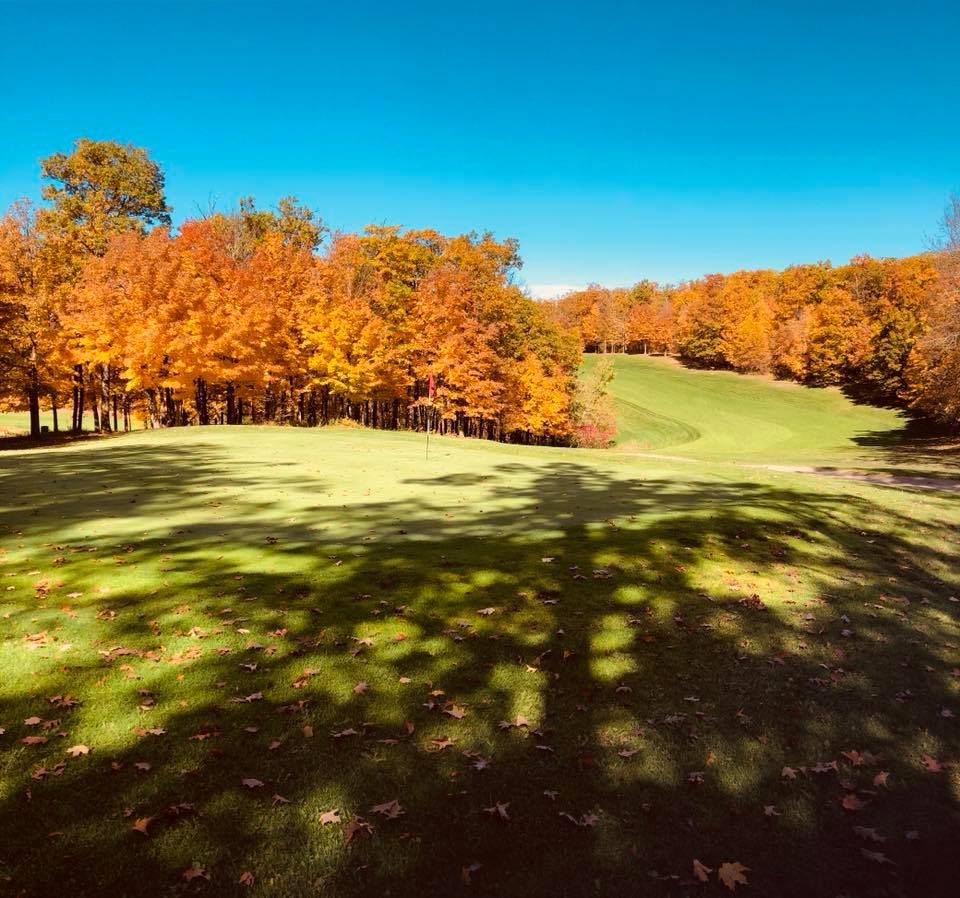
pixel 663 406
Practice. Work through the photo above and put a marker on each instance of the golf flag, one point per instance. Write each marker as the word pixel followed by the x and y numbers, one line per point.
pixel 430 388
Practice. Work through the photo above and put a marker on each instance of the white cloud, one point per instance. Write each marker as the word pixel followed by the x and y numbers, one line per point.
pixel 552 291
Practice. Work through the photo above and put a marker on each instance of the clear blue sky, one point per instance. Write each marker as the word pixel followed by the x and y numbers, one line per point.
pixel 615 140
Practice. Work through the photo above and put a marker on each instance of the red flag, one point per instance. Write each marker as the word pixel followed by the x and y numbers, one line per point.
pixel 430 387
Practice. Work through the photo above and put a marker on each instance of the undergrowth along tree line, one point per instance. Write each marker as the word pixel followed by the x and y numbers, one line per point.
pixel 887 330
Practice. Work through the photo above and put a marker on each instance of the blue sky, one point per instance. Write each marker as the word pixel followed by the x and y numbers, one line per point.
pixel 614 140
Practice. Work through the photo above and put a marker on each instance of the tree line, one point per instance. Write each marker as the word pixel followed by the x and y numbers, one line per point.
pixel 887 330
pixel 264 316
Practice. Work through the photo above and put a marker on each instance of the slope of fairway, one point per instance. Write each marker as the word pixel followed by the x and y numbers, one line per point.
pixel 316 660
pixel 663 406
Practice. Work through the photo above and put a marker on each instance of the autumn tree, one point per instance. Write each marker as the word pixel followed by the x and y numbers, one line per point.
pixel 936 363
pixel 593 411
pixel 32 358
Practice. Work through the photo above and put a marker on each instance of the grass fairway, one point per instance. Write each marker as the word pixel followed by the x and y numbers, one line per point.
pixel 574 672
pixel 663 406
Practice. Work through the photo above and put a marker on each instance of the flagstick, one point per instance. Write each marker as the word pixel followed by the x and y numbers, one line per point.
pixel 427 455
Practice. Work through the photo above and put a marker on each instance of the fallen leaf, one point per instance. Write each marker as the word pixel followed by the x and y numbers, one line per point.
pixel 77 750
pixel 499 809
pixel 140 825
pixel 251 783
pixel 852 802
pixel 390 809
pixel 246 879
pixel 700 871
pixel 356 825
pixel 866 832
pixel 731 874
pixel 331 816
pixel 876 856
pixel 195 872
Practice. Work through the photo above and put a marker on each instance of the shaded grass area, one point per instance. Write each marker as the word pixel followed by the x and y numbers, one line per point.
pixel 668 640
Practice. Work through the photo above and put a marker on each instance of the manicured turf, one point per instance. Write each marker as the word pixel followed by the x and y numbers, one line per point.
pixel 17 423
pixel 689 649
pixel 722 415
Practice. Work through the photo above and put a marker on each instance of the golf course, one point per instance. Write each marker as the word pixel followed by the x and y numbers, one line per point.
pixel 320 661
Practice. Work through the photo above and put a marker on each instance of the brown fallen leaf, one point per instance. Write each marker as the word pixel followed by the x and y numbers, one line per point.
pixel 455 711
pixel 356 825
pixel 77 750
pixel 360 688
pixel 852 802
pixel 390 809
pixel 770 810
pixel 931 763
pixel 519 721
pixel 195 872
pixel 881 778
pixel 731 874
pixel 701 871
pixel 246 878
pixel 251 783
pixel 788 773
pixel 34 740
pixel 331 816
pixel 32 722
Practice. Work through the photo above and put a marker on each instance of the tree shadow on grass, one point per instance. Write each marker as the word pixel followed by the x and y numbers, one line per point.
pixel 660 650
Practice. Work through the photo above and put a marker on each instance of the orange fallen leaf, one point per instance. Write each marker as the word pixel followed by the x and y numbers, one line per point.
pixel 141 824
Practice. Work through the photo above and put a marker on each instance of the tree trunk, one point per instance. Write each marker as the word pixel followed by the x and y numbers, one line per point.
pixel 53 408
pixel 33 397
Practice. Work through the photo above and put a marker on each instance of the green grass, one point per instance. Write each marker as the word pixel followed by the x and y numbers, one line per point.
pixel 703 618
pixel 723 415
pixel 18 423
